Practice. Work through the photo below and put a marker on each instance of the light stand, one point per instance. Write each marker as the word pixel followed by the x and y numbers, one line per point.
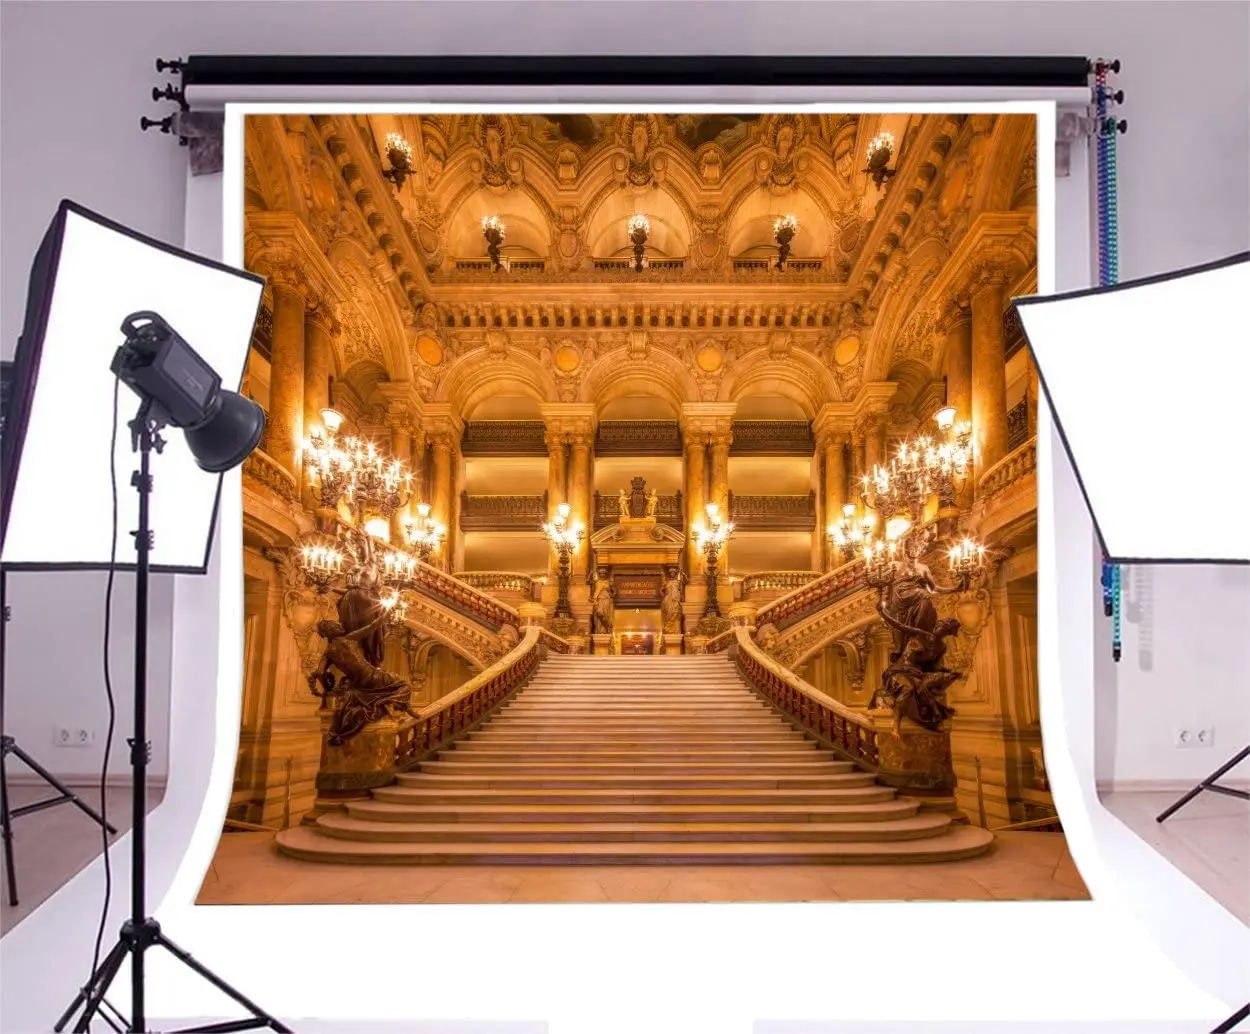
pixel 141 932
pixel 565 552
pixel 8 745
pixel 1211 783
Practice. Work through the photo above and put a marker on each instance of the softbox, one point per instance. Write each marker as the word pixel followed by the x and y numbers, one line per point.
pixel 55 490
pixel 1146 381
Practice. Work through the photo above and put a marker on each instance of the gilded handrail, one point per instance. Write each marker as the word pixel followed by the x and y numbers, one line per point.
pixel 848 732
pixel 722 642
pixel 815 595
pixel 463 598
pixel 499 581
pixel 765 580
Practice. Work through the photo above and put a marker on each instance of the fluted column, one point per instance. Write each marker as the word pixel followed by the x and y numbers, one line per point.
pixel 286 372
pixel 580 453
pixel 989 368
pixel 557 486
pixel 440 504
pixel 718 449
pixel 696 479
pixel 835 493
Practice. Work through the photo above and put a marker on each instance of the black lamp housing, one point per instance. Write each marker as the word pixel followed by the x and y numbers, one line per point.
pixel 180 389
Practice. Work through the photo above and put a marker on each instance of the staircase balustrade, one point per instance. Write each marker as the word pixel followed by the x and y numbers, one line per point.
pixel 848 732
pixel 491 582
pixel 815 595
pixel 463 598
pixel 776 581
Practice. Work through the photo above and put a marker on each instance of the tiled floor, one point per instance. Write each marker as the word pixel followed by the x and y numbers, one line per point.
pixel 51 847
pixel 247 870
pixel 1208 840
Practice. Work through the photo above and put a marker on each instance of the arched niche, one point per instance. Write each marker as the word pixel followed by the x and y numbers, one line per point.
pixel 607 234
pixel 505 407
pixel 638 407
pixel 750 232
pixel 769 407
pixel 526 231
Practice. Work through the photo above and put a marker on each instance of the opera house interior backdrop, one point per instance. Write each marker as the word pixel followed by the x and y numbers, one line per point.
pixel 642 490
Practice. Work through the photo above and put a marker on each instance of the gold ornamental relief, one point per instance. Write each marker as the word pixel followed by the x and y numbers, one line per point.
pixel 710 358
pixel 567 358
pixel 846 350
pixel 430 350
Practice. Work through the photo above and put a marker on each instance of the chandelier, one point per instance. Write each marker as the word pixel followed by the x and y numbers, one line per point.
pixel 399 153
pixel 852 531
pixel 396 611
pixel 784 230
pixel 880 151
pixel 494 230
pixel 639 230
pixel 424 534
pixel 922 467
pixel 377 485
pixel 322 563
pixel 329 466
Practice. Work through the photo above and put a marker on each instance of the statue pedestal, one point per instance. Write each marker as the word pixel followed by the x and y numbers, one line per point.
pixel 601 644
pixel 696 643
pixel 364 762
pixel 580 643
pixel 915 760
pixel 743 613
pixel 531 613
pixel 672 643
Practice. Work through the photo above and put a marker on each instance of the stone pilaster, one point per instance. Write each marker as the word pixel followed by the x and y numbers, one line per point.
pixel 286 376
pixel 832 428
pixel 557 490
pixel 581 452
pixel 989 365
pixel 957 323
pixel 718 450
pixel 696 482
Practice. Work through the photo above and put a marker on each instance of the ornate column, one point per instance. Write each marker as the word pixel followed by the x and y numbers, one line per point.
pixel 403 412
pixel 286 376
pixel 957 323
pixel 416 446
pixel 443 429
pixel 581 447
pixel 440 504
pixel 989 366
pixel 696 480
pixel 836 495
pixel 875 451
pixel 557 482
pixel 718 493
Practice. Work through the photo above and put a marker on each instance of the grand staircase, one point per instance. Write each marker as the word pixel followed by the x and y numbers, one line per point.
pixel 635 760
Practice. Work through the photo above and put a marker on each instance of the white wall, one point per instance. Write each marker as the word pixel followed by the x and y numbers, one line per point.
pixel 75 77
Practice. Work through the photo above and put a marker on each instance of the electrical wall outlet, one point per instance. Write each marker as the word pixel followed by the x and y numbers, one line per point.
pixel 73 736
pixel 1203 736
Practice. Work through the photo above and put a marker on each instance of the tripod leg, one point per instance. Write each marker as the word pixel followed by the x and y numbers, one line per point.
pixel 7 832
pixel 1232 763
pixel 1236 1018
pixel 203 971
pixel 56 784
pixel 93 994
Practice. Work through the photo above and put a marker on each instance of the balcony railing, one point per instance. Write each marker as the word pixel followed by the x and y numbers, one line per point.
pixel 848 732
pixel 505 584
pixel 502 512
pixel 260 466
pixel 669 511
pixel 773 512
pixel 1011 468
pixel 775 582
pixel 1018 424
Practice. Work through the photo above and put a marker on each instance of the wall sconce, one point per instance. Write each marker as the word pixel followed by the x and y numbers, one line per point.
pixel 784 230
pixel 493 230
pixel 639 229
pixel 399 153
pixel 880 151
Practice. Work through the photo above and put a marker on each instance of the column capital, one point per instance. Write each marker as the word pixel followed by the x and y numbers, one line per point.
pixel 955 311
pixel 569 417
pixel 874 398
pixel 581 439
pixel 992 270
pixel 320 314
pixel 441 420
pixel 403 405
pixel 694 440
pixel 707 418
pixel 833 424
pixel 554 439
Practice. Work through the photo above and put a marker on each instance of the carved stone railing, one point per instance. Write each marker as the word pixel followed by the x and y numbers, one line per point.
pixel 669 511
pixel 722 642
pixel 772 438
pixel 475 265
pixel 638 438
pixel 443 721
pixel 502 512
pixel 775 582
pixel 503 438
pixel 493 583
pixel 773 512
pixel 1010 469
pixel 793 607
pixel 553 642
pixel 261 467
pixel 462 598
pixel 847 732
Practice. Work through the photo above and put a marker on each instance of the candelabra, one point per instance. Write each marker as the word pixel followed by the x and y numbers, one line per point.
pixel 396 612
pixel 329 466
pixel 377 486
pixel 639 229
pixel 424 534
pixel 784 230
pixel 850 533
pixel 564 539
pixel 399 153
pixel 711 538
pixel 493 230
pixel 880 151
pixel 399 569
pixel 322 564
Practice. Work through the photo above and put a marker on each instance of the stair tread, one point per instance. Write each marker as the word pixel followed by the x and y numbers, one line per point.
pixel 897 806
pixel 955 842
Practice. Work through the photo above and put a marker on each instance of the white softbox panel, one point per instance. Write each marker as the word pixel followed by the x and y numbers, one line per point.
pixel 1147 383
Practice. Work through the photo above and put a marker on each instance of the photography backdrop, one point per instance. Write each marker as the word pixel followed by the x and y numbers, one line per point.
pixel 1094 955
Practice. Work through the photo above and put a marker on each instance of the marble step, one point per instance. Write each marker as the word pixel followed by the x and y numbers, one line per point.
pixel 553 781
pixel 385 811
pixel 348 827
pixel 765 719
pixel 310 843
pixel 671 711
pixel 596 768
pixel 627 739
pixel 747 759
pixel 591 747
pixel 543 796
